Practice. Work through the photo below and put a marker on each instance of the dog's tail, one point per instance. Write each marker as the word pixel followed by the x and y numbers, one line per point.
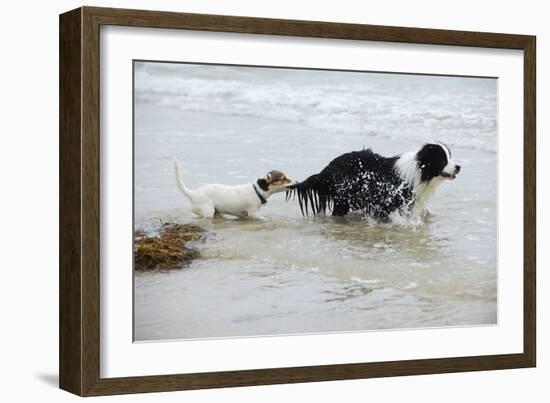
pixel 191 194
pixel 312 195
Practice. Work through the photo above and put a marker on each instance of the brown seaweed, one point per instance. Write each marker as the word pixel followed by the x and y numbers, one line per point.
pixel 170 248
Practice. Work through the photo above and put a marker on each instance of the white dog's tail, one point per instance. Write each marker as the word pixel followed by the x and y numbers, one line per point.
pixel 191 194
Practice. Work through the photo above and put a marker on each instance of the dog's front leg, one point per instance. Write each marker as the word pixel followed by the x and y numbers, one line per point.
pixel 255 215
pixel 428 214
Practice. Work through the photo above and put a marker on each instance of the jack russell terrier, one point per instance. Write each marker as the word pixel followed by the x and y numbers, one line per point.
pixel 240 200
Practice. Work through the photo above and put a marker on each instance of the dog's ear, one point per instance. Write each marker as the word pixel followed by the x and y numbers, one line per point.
pixel 269 177
pixel 263 184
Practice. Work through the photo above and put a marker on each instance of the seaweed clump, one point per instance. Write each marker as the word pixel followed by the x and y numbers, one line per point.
pixel 169 249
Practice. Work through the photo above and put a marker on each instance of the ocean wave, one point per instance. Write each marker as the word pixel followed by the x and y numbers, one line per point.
pixel 457 112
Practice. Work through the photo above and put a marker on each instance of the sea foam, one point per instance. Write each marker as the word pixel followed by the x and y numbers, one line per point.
pixel 456 110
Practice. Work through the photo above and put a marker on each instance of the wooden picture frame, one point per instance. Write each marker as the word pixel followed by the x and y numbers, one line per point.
pixel 79 201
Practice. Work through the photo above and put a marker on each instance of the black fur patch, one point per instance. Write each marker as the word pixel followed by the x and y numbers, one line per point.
pixel 432 159
pixel 359 180
pixel 262 183
pixel 365 181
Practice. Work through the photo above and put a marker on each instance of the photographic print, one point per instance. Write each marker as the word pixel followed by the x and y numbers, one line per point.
pixel 277 201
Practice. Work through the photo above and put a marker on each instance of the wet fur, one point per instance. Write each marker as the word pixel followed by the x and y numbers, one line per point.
pixel 373 184
pixel 239 200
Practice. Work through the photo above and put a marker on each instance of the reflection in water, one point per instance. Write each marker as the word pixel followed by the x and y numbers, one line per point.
pixel 287 274
pixel 387 238
pixel 347 292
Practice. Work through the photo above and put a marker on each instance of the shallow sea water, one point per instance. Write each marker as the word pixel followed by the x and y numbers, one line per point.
pixel 287 274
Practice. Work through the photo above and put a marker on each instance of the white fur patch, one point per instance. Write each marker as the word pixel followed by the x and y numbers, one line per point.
pixel 424 192
pixel 408 169
pixel 447 151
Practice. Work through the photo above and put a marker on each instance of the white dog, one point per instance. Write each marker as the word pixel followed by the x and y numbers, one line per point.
pixel 240 200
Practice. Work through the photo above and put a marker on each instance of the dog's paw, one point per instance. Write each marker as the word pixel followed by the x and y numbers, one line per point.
pixel 427 213
pixel 256 216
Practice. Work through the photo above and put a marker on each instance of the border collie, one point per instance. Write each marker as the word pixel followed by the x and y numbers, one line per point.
pixel 240 200
pixel 376 185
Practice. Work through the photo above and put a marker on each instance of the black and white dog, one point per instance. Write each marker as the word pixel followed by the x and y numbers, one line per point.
pixel 376 185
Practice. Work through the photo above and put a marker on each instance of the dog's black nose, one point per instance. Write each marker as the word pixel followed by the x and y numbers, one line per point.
pixel 457 168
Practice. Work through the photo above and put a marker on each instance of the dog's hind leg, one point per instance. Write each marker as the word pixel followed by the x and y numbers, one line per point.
pixel 205 210
pixel 340 208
